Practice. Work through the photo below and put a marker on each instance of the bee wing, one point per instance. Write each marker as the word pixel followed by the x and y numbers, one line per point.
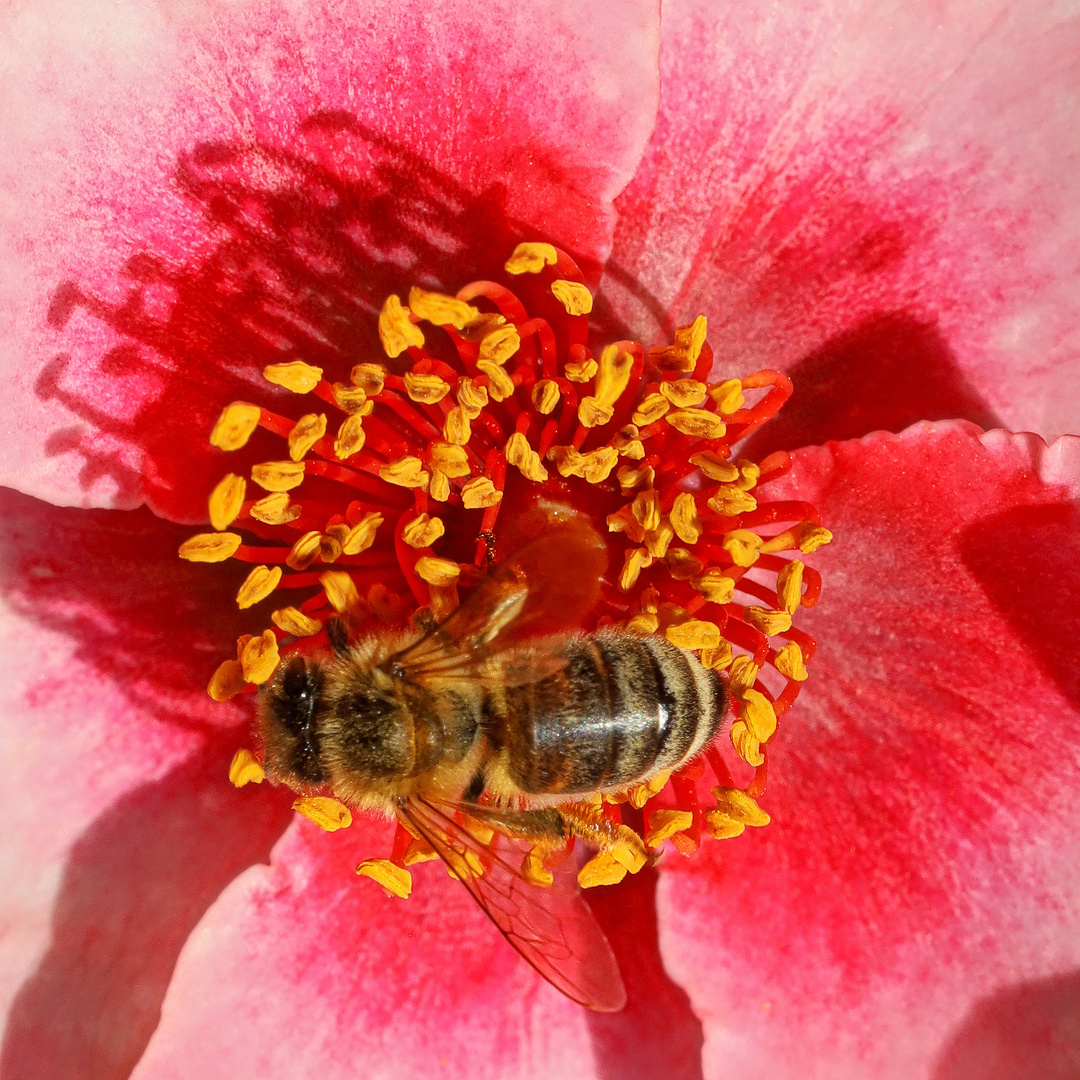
pixel 552 928
pixel 546 587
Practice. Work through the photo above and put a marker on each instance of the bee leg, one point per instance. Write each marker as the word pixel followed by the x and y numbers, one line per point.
pixel 586 821
pixel 337 633
pixel 533 825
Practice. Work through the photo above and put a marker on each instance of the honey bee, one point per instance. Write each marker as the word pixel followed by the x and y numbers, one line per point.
pixel 506 715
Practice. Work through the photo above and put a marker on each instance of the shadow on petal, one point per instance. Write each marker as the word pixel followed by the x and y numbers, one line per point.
pixel 302 247
pixel 135 886
pixel 1024 559
pixel 112 581
pixel 1029 1030
pixel 886 374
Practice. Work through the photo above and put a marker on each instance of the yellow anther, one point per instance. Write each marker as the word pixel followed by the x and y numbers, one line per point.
pixel 341 591
pixel 695 634
pixel 729 500
pixel 479 493
pixel 684 393
pixel 235 425
pixel 812 537
pixel 789 587
pixel 500 385
pixel 419 851
pixel 716 658
pixel 583 372
pixel 697 423
pixel 210 547
pixel 632 477
pixel 369 377
pixel 664 824
pixel 304 551
pixel 715 467
pixel 440 309
pixel 624 521
pixel 625 438
pixel 422 531
pixel 329 814
pixel 743 546
pixel 740 806
pixel 425 389
pixel 275 509
pixel 450 459
pixel 629 851
pixel 533 869
pixel 685 520
pixel 227 681
pixel 573 296
pixel 260 657
pixel 456 426
pixel 720 827
pixel 471 397
pixel 545 396
pixel 245 769
pixel 396 880
pixel 658 540
pixel 479 830
pixel 436 571
pixel 352 399
pixel 644 622
pixel 295 623
pixel 598 464
pixel 684 353
pixel 362 535
pixel 758 714
pixel 746 746
pixel 306 432
pixel 592 414
pixel 531 258
pixel 296 376
pixel 728 396
pixel 602 869
pixel 568 460
pixel 258 585
pixel 278 475
pixel 683 564
pixel 789 662
pixel 749 474
pixel 519 453
pixel 766 620
pixel 498 345
pixel 634 561
pixel 613 375
pixel 397 331
pixel 651 409
pixel 715 586
pixel 646 509
pixel 439 488
pixel 406 472
pixel 743 675
pixel 350 437
pixel 227 500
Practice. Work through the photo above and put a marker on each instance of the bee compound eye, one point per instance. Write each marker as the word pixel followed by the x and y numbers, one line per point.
pixel 294 679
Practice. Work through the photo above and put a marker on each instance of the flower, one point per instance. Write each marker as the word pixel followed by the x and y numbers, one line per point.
pixel 896 187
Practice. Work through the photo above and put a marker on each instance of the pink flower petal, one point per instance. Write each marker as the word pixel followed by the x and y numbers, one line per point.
pixel 878 199
pixel 914 903
pixel 192 192
pixel 319 973
pixel 120 827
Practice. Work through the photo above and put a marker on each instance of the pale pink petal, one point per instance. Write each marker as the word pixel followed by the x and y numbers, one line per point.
pixel 879 198
pixel 913 909
pixel 189 187
pixel 120 827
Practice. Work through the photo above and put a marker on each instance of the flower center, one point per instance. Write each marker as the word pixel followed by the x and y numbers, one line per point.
pixel 392 492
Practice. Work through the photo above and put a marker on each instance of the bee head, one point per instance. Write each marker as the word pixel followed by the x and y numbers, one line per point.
pixel 290 705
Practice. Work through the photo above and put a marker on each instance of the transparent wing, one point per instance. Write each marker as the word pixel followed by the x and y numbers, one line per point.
pixel 552 928
pixel 545 588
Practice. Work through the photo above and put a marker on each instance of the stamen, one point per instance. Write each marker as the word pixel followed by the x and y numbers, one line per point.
pixel 296 376
pixel 602 869
pixel 531 258
pixel 396 880
pixel 210 547
pixel 397 331
pixel 227 500
pixel 258 585
pixel 235 425
pixel 260 657
pixel 574 297
pixel 245 769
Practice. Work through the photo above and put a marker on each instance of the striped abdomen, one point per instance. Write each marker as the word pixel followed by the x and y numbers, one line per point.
pixel 623 708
